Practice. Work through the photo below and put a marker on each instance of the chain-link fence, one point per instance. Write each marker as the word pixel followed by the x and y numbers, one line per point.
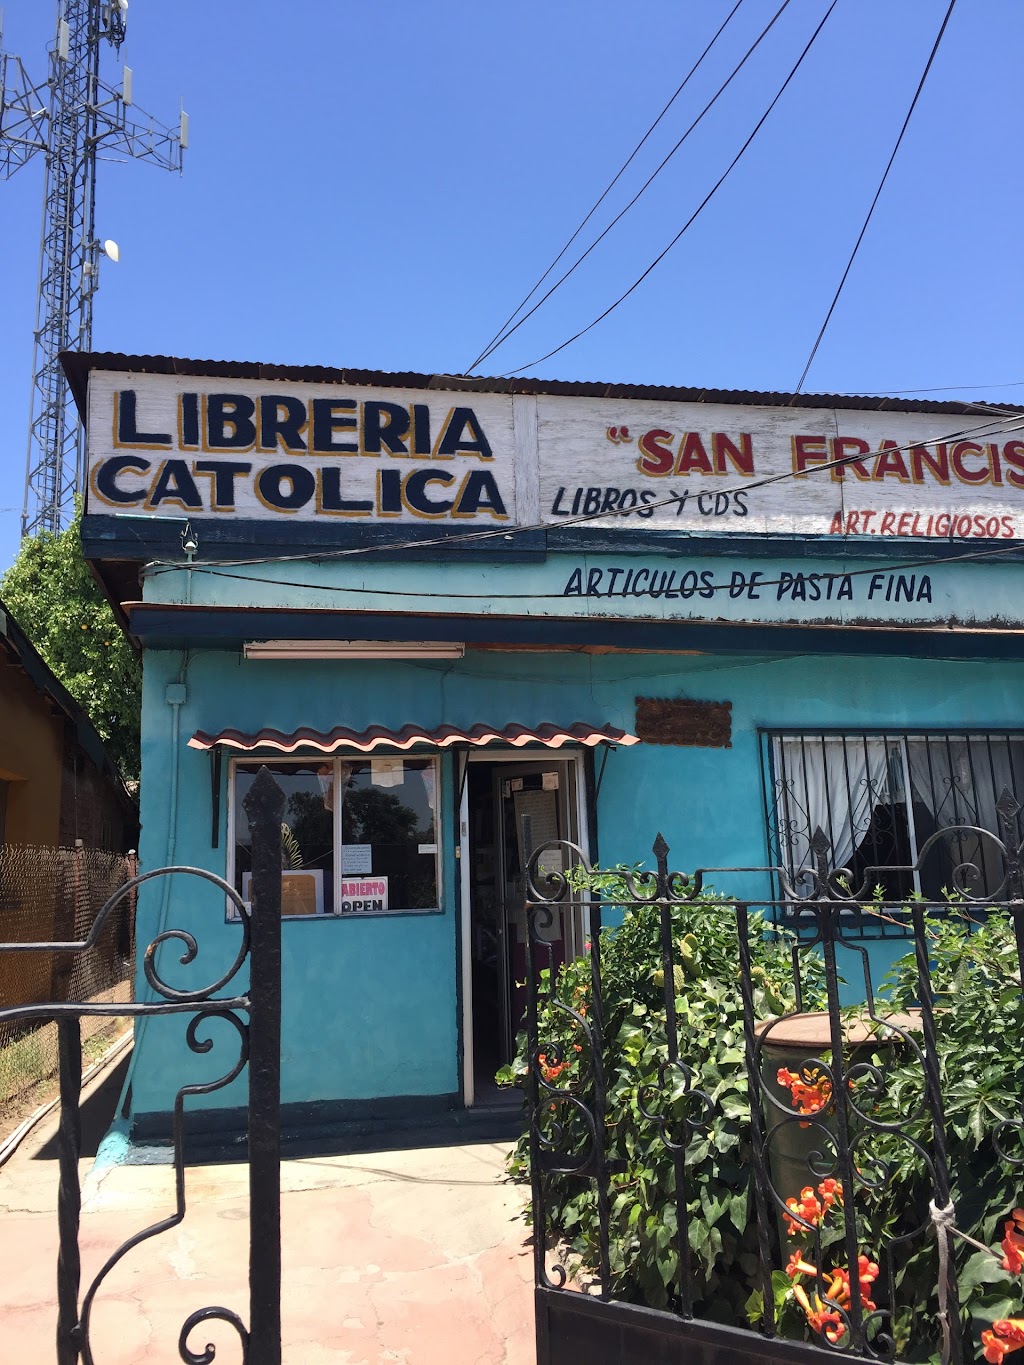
pixel 54 895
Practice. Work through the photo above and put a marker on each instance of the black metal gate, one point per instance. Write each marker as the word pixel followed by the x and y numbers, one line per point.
pixel 255 1016
pixel 628 1114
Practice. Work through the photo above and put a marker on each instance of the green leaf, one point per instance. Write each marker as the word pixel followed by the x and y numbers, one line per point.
pixel 739 1210
pixel 981 1268
pixel 978 1125
pixel 781 1286
pixel 992 1307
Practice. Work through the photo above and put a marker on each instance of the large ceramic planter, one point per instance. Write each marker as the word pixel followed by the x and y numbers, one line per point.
pixel 800 1152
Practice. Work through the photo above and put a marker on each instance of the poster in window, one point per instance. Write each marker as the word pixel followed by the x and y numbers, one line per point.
pixel 302 892
pixel 364 895
pixel 356 858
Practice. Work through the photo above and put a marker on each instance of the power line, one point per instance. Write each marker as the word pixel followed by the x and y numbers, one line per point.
pixel 878 192
pixel 507 533
pixel 693 217
pixel 933 561
pixel 937 388
pixel 643 188
pixel 498 337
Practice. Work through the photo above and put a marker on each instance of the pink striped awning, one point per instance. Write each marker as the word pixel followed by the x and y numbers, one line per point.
pixel 379 737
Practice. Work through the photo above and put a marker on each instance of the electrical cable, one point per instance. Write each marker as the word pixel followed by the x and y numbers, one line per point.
pixel 496 339
pixel 878 192
pixel 690 221
pixel 502 334
pixel 507 533
pixel 643 188
pixel 938 388
pixel 519 596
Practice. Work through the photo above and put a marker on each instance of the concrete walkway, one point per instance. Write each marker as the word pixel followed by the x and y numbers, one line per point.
pixel 412 1256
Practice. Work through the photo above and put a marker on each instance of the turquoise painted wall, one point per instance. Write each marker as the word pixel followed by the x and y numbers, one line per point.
pixel 370 1007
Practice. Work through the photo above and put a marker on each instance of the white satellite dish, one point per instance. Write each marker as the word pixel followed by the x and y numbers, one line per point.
pixel 111 249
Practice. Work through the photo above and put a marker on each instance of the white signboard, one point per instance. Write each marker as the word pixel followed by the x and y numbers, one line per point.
pixel 245 449
pixel 704 467
pixel 364 895
pixel 248 449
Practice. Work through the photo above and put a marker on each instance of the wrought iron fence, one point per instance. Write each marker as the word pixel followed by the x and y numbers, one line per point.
pixel 254 1016
pixel 727 1164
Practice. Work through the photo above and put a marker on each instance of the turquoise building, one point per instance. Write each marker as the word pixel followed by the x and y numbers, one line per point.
pixel 460 617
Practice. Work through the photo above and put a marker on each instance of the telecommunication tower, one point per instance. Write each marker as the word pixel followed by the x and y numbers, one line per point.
pixel 74 118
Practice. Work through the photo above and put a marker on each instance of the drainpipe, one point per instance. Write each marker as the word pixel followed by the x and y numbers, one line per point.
pixel 176 695
pixel 115 1144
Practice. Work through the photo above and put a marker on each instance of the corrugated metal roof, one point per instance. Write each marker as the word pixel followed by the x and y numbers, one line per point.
pixel 77 365
pixel 549 735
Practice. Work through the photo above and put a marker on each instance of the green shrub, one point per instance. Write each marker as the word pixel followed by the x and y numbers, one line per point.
pixel 976 989
pixel 722 1229
pixel 980 1026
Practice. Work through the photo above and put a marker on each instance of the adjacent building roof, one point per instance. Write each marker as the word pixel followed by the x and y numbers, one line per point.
pixel 18 649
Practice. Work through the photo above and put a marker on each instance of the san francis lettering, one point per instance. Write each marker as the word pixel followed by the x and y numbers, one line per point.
pixel 779 586
pixel 842 458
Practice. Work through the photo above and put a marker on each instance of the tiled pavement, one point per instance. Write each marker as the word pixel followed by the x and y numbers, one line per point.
pixel 411 1256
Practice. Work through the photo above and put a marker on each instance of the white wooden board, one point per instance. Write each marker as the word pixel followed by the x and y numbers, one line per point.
pixel 249 449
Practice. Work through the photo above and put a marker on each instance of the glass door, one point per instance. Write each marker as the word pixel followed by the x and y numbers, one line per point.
pixel 535 803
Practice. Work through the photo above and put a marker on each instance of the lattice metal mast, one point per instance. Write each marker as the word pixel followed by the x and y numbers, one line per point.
pixel 72 117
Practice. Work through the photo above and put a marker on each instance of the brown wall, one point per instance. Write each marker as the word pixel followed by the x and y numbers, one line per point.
pixel 31 760
pixel 91 808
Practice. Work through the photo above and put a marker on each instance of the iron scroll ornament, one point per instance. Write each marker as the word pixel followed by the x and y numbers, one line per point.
pixel 852 1142
pixel 550 1145
pixel 197 1045
pixel 182 999
pixel 74 1326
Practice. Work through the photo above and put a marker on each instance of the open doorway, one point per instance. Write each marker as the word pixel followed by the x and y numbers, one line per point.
pixel 514 807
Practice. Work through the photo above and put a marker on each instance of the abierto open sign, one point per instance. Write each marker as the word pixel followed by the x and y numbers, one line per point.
pixel 364 895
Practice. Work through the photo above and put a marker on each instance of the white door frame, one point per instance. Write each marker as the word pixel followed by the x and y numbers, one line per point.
pixel 573 757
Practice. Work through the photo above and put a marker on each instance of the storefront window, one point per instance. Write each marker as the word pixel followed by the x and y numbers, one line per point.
pixel 359 835
pixel 307 838
pixel 880 799
pixel 388 835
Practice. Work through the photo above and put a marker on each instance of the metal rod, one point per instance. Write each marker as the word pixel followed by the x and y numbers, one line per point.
pixel 533 1102
pixel 69 1195
pixel 599 1106
pixel 677 1149
pixel 216 756
pixel 949 1294
pixel 264 805
pixel 828 914
pixel 762 1180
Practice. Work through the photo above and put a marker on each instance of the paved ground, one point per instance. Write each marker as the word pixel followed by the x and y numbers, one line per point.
pixel 411 1256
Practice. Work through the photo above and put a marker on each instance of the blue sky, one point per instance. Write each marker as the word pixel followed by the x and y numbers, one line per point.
pixel 378 185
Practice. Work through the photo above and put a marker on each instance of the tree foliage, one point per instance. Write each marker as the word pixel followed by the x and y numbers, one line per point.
pixel 57 603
